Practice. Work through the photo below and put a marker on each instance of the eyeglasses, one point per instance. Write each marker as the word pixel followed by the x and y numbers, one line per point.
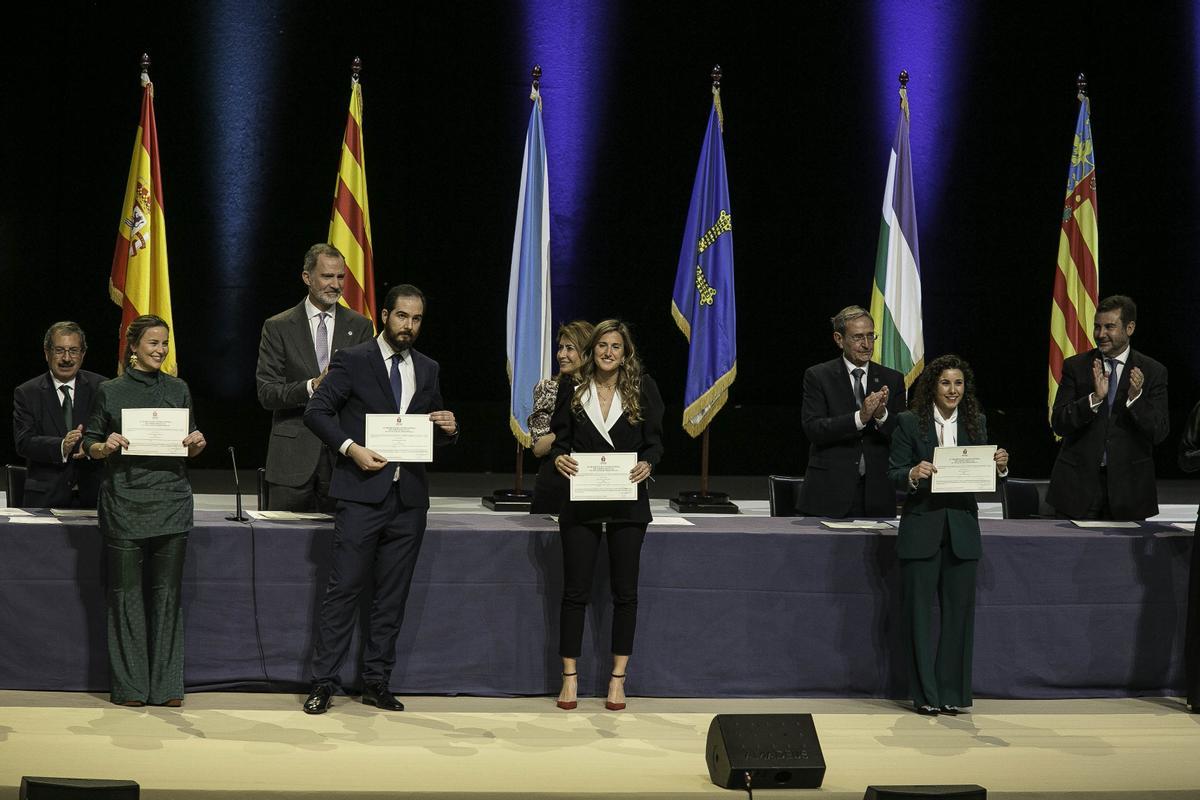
pixel 860 338
pixel 73 352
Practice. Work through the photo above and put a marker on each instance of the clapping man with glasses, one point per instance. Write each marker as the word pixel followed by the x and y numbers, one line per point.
pixel 49 414
pixel 849 409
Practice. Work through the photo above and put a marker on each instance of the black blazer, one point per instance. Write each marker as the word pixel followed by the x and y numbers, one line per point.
pixel 575 432
pixel 357 385
pixel 827 416
pixel 38 431
pixel 925 515
pixel 1128 433
pixel 286 362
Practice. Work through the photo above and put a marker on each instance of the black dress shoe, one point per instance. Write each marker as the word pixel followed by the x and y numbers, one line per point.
pixel 319 698
pixel 953 711
pixel 927 711
pixel 377 694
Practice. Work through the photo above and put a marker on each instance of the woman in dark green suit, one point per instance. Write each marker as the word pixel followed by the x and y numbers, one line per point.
pixel 939 544
pixel 145 516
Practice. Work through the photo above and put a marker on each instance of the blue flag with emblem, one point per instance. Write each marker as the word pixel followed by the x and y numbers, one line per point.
pixel 703 304
pixel 528 331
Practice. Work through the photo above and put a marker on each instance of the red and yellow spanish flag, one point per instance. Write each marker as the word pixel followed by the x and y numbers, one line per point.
pixel 139 283
pixel 1077 277
pixel 350 223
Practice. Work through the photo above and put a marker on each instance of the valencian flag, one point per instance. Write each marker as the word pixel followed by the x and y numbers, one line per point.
pixel 896 290
pixel 703 303
pixel 139 283
pixel 1077 276
pixel 350 222
pixel 528 331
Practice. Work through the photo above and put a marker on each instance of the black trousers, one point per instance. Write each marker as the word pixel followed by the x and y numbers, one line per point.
pixel 312 495
pixel 379 539
pixel 580 543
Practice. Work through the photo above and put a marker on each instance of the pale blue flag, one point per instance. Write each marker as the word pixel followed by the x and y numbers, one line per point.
pixel 529 336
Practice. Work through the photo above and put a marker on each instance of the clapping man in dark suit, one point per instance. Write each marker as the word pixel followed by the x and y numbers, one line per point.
pixel 849 411
pixel 381 505
pixel 49 414
pixel 293 357
pixel 1111 410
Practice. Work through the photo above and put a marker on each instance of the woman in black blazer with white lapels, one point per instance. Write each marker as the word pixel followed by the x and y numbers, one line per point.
pixel 610 407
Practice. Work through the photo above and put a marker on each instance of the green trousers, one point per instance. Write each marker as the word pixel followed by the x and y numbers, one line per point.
pixel 145 618
pixel 944 677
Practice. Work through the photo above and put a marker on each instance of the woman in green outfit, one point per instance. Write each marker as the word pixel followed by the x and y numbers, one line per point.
pixel 939 544
pixel 145 516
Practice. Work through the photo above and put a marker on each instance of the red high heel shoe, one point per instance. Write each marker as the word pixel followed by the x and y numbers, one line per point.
pixel 567 705
pixel 611 706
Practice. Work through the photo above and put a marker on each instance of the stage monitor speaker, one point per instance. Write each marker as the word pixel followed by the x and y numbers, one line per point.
pixel 775 750
pixel 77 789
pixel 967 792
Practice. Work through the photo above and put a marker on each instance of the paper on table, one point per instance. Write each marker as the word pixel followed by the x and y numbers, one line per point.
pixel 13 512
pixel 671 521
pixel 858 524
pixel 74 512
pixel 32 520
pixel 285 516
pixel 1104 523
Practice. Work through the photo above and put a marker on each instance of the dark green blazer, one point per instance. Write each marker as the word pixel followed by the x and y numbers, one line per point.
pixel 925 514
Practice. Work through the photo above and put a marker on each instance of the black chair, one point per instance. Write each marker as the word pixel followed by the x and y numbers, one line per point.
pixel 15 489
pixel 1025 499
pixel 782 491
pixel 264 490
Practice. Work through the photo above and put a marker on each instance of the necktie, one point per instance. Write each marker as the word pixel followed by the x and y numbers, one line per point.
pixel 322 343
pixel 68 408
pixel 1112 395
pixel 397 382
pixel 1112 381
pixel 859 394
pixel 859 397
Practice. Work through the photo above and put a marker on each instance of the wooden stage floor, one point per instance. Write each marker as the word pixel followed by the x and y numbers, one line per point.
pixel 242 745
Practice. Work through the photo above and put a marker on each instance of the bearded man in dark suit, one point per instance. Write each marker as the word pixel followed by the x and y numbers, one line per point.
pixel 381 505
pixel 293 358
pixel 1111 410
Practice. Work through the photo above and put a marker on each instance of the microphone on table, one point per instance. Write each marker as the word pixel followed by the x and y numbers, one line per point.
pixel 237 491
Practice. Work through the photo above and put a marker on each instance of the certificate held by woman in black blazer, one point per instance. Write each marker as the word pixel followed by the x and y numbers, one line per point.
pixel 611 407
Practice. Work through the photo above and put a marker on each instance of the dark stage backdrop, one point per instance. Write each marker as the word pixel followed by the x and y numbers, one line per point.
pixel 251 102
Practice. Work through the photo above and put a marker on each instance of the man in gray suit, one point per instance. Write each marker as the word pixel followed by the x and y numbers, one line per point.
pixel 293 358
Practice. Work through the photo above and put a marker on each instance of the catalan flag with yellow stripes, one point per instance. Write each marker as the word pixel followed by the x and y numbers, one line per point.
pixel 350 222
pixel 139 282
pixel 1077 276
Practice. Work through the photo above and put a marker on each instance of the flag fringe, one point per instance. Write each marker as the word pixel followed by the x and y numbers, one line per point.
pixel 685 327
pixel 698 415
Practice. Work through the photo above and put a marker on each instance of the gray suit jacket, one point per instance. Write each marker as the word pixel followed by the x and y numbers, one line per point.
pixel 286 361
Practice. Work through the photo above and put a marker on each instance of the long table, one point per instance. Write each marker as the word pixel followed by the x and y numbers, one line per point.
pixel 729 607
